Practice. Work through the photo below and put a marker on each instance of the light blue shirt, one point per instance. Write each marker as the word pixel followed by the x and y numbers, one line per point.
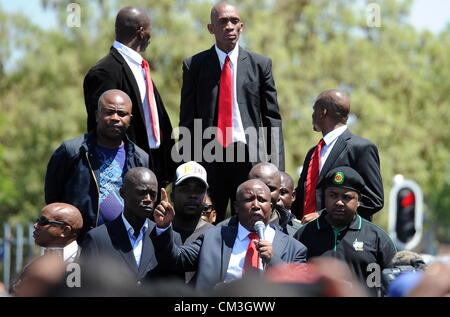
pixel 136 243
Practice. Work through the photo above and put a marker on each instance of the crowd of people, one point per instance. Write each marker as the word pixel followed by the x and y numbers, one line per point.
pixel 141 223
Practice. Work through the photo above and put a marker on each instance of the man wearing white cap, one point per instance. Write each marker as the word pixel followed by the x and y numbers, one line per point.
pixel 188 197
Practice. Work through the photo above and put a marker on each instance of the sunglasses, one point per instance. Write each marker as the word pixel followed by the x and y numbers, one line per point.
pixel 207 209
pixel 42 221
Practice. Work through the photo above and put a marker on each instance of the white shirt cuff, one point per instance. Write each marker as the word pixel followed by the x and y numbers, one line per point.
pixel 161 230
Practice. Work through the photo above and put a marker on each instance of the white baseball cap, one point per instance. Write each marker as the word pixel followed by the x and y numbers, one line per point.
pixel 190 169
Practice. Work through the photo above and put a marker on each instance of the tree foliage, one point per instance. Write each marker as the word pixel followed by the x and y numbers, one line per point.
pixel 397 78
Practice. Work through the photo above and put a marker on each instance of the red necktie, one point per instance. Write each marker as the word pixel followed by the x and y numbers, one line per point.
pixel 151 99
pixel 311 180
pixel 251 261
pixel 225 115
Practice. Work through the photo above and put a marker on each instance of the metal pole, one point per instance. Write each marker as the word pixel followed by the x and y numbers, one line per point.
pixel 30 242
pixel 19 247
pixel 6 254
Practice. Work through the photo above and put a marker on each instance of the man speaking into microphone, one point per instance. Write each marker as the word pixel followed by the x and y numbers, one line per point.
pixel 224 254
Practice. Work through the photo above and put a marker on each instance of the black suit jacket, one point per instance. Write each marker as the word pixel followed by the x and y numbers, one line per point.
pixel 112 240
pixel 361 155
pixel 113 72
pixel 210 253
pixel 256 96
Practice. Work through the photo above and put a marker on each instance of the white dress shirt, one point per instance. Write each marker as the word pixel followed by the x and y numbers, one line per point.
pixel 70 252
pixel 136 243
pixel 238 128
pixel 239 251
pixel 330 139
pixel 134 61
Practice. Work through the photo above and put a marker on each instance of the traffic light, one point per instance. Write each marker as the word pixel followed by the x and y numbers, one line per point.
pixel 404 226
pixel 405 214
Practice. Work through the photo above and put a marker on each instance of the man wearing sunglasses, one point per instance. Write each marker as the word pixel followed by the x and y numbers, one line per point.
pixel 58 226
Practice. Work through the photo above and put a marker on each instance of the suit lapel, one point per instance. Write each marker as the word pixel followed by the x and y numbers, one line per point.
pixel 131 80
pixel 121 242
pixel 241 77
pixel 212 72
pixel 228 237
pixel 148 259
pixel 338 148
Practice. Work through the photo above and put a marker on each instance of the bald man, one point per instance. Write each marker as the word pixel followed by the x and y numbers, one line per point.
pixel 339 147
pixel 226 253
pixel 287 192
pixel 87 171
pixel 231 88
pixel 58 226
pixel 124 68
pixel 281 216
pixel 127 238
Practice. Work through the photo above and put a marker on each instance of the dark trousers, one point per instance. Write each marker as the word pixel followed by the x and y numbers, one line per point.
pixel 224 178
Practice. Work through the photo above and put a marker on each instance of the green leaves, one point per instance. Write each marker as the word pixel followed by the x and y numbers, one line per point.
pixel 397 78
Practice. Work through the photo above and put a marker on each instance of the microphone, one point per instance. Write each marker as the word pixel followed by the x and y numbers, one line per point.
pixel 259 228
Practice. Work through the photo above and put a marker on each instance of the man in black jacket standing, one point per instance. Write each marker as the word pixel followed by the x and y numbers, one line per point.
pixel 232 90
pixel 125 69
pixel 337 147
pixel 87 171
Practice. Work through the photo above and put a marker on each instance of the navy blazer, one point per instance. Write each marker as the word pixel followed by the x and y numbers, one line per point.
pixel 112 240
pixel 361 155
pixel 210 253
pixel 256 96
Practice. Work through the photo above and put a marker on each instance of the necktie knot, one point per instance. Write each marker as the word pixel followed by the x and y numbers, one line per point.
pixel 227 60
pixel 144 64
pixel 321 142
pixel 253 236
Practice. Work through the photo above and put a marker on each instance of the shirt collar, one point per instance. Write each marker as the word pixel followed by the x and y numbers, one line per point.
pixel 322 223
pixel 70 249
pixel 130 229
pixel 242 232
pixel 128 52
pixel 333 135
pixel 232 54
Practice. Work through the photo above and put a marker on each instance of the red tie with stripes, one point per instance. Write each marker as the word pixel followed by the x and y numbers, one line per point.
pixel 311 180
pixel 225 113
pixel 251 261
pixel 151 99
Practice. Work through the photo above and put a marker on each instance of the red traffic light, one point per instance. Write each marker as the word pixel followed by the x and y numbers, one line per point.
pixel 408 200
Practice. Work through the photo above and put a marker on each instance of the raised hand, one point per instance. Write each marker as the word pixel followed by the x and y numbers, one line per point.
pixel 164 212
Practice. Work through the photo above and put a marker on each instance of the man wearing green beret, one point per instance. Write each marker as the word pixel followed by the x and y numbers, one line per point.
pixel 341 233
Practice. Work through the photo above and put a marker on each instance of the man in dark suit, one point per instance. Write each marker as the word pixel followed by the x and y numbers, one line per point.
pixel 127 238
pixel 230 92
pixel 225 253
pixel 125 69
pixel 338 147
